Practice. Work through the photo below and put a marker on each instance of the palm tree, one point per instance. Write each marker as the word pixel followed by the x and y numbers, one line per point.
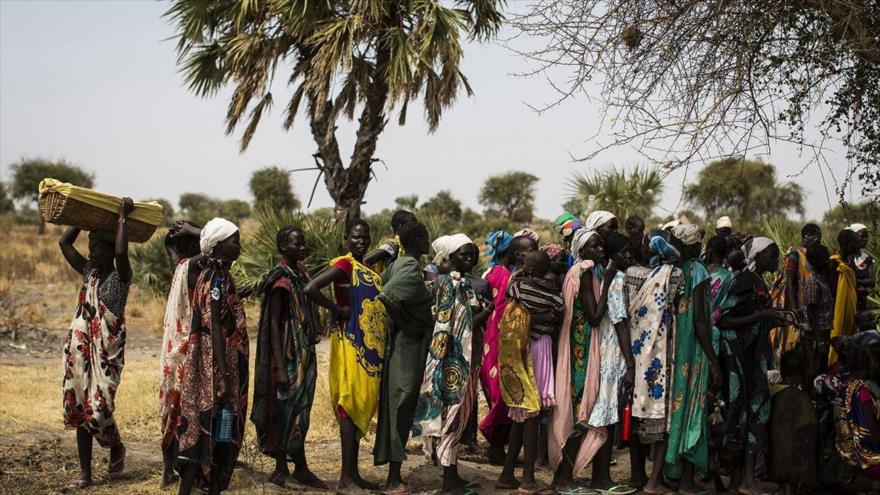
pixel 338 56
pixel 621 192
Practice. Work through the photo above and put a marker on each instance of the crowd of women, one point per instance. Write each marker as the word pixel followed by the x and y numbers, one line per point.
pixel 666 343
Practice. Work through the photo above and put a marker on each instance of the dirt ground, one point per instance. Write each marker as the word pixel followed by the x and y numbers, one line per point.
pixel 38 456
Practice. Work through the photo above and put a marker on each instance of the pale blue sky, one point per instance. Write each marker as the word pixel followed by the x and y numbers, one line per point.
pixel 96 83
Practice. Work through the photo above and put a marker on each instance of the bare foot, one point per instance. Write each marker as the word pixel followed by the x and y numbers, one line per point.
pixel 278 477
pixel 365 485
pixel 168 478
pixel 396 488
pixel 116 463
pixel 81 484
pixel 308 478
pixel 507 484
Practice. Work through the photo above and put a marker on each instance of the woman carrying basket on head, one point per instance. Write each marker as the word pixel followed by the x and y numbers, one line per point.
pixel 95 345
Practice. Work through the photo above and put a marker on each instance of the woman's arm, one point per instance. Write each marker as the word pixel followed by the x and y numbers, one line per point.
pixel 869 280
pixel 193 271
pixel 277 303
pixel 594 310
pixel 374 257
pixel 703 331
pixel 218 343
pixel 623 340
pixel 314 291
pixel 123 266
pixel 74 259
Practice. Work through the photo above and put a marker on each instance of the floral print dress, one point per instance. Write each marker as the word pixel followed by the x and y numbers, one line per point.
pixel 613 366
pixel 94 353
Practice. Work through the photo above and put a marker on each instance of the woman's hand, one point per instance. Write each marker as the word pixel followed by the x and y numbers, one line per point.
pixel 223 390
pixel 344 312
pixel 126 208
pixel 629 376
pixel 281 379
pixel 716 374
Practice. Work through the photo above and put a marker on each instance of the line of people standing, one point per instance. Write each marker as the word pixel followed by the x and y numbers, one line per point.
pixel 646 339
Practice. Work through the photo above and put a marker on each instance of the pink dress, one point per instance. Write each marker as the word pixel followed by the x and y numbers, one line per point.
pixel 489 373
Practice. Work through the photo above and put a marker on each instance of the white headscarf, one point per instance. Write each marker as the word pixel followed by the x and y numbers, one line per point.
pixel 688 234
pixel 857 227
pixel 597 219
pixel 753 247
pixel 723 222
pixel 445 245
pixel 214 232
pixel 527 232
pixel 581 236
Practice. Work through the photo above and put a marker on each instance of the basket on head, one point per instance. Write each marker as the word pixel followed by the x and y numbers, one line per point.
pixel 65 204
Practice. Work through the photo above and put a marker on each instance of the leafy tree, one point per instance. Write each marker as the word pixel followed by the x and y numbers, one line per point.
pixel 511 194
pixel 200 208
pixel 443 205
pixel 406 202
pixel 6 204
pixel 339 56
pixel 693 81
pixel 271 189
pixel 234 210
pixel 623 193
pixel 28 172
pixel 841 215
pixel 168 217
pixel 744 189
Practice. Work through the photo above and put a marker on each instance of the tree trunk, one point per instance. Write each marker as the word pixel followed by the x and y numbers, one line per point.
pixel 347 186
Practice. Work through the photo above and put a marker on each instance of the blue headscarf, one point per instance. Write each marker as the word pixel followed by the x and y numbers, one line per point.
pixel 661 251
pixel 498 243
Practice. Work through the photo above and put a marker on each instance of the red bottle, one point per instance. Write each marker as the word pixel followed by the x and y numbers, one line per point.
pixel 627 421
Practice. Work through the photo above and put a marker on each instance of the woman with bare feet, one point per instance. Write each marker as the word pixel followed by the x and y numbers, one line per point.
pixel 214 392
pixel 653 299
pixel 745 323
pixel 408 302
pixel 95 345
pixel 357 348
pixel 696 363
pixel 573 442
pixel 445 404
pixel 182 245
pixel 532 316
pixel 286 366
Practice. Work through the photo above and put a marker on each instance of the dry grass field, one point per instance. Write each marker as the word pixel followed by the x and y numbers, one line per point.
pixel 37 290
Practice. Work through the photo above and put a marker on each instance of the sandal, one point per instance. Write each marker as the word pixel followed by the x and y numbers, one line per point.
pixel 619 490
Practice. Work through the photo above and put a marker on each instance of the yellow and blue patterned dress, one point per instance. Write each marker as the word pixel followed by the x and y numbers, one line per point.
pixel 357 347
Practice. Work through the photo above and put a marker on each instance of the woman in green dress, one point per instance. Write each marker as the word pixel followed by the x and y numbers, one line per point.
pixel 408 302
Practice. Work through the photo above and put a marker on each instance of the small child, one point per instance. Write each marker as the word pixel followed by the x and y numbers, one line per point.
pixel 540 296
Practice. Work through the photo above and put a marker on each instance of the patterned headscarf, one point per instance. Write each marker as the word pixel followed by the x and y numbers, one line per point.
pixel 498 243
pixel 752 248
pixel 597 219
pixel 581 236
pixel 688 234
pixel 662 252
pixel 551 249
pixel 567 224
pixel 527 232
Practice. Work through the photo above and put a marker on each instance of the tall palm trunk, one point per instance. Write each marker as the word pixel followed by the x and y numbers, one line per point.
pixel 348 185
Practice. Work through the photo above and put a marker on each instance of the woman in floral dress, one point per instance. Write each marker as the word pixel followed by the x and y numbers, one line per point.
pixel 94 350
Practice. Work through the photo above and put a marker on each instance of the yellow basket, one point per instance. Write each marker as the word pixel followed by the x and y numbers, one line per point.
pixel 65 204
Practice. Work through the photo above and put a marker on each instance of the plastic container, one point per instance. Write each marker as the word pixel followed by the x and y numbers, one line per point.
pixel 223 425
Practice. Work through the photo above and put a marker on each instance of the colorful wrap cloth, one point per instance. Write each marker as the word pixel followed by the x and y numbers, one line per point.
pixel 496 420
pixel 357 347
pixel 448 388
pixel 94 354
pixel 282 425
pixel 844 304
pixel 577 378
pixel 178 318
pixel 199 404
pixel 567 224
pixel 518 384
